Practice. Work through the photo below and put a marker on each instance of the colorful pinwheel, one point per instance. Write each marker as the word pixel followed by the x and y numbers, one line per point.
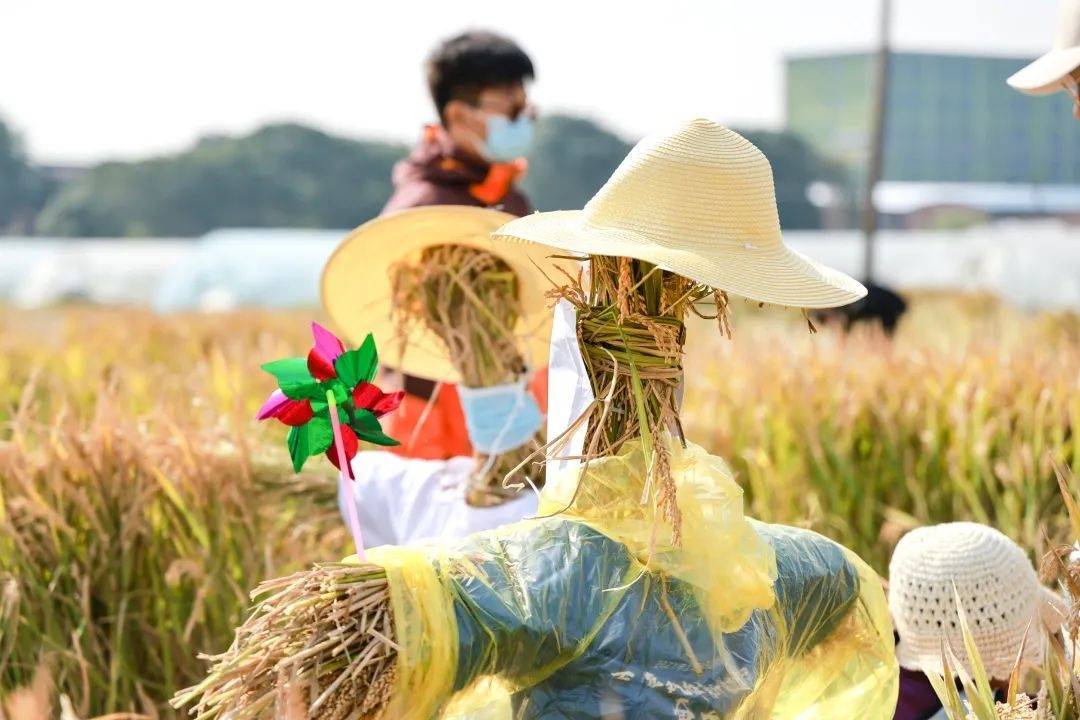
pixel 329 378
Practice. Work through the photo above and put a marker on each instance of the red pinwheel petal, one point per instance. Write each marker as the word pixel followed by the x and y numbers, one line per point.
pixel 388 403
pixel 319 366
pixel 367 396
pixel 290 412
pixel 352 446
pixel 295 412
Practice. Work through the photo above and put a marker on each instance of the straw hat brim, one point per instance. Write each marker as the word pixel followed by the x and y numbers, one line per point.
pixel 777 275
pixel 356 290
pixel 1044 75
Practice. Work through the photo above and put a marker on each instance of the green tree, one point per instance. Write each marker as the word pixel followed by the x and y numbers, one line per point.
pixel 795 166
pixel 279 176
pixel 23 189
pixel 294 176
pixel 570 159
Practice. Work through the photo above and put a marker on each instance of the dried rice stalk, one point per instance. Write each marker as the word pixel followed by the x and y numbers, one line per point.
pixel 469 299
pixel 631 333
pixel 319 641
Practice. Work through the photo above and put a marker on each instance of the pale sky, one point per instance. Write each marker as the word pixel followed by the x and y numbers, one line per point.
pixel 85 80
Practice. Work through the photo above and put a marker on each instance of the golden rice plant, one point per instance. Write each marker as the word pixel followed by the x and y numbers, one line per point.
pixel 138 502
pixel 862 437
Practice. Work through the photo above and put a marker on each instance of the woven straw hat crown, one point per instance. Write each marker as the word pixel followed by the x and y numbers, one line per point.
pixel 995 582
pixel 698 201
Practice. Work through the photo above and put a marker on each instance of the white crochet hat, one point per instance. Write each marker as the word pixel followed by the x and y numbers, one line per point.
pixel 997 585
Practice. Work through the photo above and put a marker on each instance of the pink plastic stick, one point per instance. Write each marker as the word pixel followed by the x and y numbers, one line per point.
pixel 343 478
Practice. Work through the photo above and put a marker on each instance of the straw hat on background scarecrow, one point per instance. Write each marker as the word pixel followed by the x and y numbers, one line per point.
pixel 1059 68
pixel 447 302
pixel 642 590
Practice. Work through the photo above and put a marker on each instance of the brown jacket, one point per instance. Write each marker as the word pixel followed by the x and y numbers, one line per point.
pixel 434 174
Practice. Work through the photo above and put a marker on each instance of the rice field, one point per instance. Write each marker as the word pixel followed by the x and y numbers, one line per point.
pixel 139 502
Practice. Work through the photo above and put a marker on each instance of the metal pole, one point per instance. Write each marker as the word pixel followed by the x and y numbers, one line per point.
pixel 877 141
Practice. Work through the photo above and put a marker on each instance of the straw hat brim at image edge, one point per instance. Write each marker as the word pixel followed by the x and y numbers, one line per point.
pixel 1045 74
pixel 356 290
pixel 777 275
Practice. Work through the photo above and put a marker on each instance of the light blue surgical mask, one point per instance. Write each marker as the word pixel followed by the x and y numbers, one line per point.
pixel 508 139
pixel 500 418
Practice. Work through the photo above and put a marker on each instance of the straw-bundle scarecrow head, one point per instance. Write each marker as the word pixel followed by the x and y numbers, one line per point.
pixel 450 304
pixel 689 216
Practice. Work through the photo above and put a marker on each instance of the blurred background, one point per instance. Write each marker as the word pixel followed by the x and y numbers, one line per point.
pixel 137 140
pixel 173 177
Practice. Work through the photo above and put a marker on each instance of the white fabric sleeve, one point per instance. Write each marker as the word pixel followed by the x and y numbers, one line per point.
pixel 404 501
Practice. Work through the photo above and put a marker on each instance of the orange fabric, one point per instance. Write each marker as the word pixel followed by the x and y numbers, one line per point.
pixel 499 180
pixel 539 388
pixel 443 434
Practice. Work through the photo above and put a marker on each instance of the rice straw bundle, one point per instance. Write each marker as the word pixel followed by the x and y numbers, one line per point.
pixel 469 299
pixel 318 645
pixel 631 333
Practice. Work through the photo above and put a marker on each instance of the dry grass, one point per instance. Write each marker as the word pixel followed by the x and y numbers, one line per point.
pixel 139 502
pixel 862 437
pixel 320 640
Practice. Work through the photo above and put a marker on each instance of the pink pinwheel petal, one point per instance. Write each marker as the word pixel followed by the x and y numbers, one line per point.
pixel 326 343
pixel 272 405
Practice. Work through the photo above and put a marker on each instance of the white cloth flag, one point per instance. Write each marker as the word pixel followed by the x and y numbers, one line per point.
pixel 569 391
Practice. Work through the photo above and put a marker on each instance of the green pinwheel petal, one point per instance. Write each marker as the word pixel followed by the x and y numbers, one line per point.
pixel 312 438
pixel 294 378
pixel 367 428
pixel 341 391
pixel 322 409
pixel 360 365
pixel 378 438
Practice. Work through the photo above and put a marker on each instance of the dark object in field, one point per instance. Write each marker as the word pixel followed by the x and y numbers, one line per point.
pixel 881 305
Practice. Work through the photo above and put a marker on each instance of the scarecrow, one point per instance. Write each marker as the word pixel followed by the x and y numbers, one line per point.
pixel 444 300
pixel 641 590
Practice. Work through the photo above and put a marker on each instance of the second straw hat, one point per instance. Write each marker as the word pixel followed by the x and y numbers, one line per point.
pixel 698 201
pixel 356 288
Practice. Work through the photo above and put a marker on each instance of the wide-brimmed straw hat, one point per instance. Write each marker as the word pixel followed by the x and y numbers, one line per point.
pixel 1000 592
pixel 698 201
pixel 356 289
pixel 1048 72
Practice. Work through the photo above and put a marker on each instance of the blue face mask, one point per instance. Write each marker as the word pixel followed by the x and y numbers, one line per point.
pixel 508 139
pixel 499 418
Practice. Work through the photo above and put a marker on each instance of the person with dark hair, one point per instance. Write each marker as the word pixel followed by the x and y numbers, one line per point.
pixel 473 155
